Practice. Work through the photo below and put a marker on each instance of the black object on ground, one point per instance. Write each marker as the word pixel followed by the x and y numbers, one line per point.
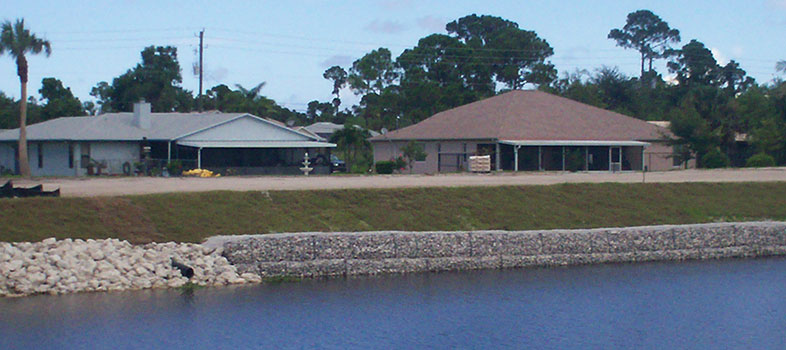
pixel 186 271
pixel 9 191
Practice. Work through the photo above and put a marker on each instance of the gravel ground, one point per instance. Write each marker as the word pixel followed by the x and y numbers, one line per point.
pixel 112 186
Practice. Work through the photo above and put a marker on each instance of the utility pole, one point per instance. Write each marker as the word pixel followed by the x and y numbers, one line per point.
pixel 199 96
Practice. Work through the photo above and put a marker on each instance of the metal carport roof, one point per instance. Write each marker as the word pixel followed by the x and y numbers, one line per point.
pixel 256 144
pixel 573 143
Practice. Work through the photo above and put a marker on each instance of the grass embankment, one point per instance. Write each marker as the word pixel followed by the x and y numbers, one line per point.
pixel 191 217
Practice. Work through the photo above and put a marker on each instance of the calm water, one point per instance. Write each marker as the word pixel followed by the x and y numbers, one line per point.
pixel 739 304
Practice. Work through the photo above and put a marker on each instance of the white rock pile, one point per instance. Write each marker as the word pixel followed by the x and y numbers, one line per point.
pixel 67 266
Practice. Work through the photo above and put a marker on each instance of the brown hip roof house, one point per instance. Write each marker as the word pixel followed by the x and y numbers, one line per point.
pixel 531 130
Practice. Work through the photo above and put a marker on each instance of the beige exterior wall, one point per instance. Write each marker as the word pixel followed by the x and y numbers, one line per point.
pixel 449 153
pixel 657 157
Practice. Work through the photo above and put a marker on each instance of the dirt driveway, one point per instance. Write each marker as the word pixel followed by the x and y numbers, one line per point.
pixel 111 186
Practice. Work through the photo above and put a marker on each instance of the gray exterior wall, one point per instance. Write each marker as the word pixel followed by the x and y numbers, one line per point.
pixel 53 159
pixel 114 154
pixel 7 157
pixel 246 129
pixel 55 154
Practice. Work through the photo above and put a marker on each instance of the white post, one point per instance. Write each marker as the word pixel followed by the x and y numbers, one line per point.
pixel 516 158
pixel 498 161
pixel 169 152
pixel 610 169
pixel 540 158
pixel 199 158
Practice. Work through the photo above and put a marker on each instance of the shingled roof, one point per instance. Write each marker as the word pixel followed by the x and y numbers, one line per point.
pixel 528 116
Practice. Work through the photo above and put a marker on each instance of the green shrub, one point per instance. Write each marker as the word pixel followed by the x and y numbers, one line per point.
pixel 715 159
pixel 385 167
pixel 175 168
pixel 760 160
pixel 399 164
pixel 359 168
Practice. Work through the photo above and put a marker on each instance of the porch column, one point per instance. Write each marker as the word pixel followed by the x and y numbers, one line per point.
pixel 563 158
pixel 516 157
pixel 169 152
pixel 77 152
pixel 540 158
pixel 199 158
pixel 498 161
pixel 610 169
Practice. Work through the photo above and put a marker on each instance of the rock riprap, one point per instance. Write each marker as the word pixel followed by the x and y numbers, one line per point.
pixel 67 266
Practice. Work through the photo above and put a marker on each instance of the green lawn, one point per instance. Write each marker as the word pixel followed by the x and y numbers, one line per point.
pixel 191 217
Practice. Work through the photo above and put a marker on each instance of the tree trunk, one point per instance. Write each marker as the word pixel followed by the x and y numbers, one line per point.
pixel 642 65
pixel 24 164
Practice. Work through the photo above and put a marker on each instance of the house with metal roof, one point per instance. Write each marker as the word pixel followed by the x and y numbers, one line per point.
pixel 118 143
pixel 531 131
pixel 326 129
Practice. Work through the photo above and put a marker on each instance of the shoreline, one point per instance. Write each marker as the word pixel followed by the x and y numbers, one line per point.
pixel 307 255
pixel 68 266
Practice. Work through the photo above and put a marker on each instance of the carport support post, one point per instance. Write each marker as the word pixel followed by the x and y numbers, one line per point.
pixel 540 158
pixel 498 161
pixel 516 157
pixel 199 158
pixel 168 152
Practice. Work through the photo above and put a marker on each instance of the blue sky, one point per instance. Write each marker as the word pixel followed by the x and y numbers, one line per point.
pixel 288 44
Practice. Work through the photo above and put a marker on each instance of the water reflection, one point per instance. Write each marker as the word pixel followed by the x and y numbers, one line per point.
pixel 714 304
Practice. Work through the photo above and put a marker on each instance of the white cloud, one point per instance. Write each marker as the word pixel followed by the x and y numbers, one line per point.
pixel 388 27
pixel 780 4
pixel 217 74
pixel 337 60
pixel 719 56
pixel 395 4
pixel 432 23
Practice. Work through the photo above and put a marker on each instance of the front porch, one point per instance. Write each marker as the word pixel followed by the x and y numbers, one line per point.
pixel 570 155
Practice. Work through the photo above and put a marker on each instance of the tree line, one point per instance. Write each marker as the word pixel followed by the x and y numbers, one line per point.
pixel 718 114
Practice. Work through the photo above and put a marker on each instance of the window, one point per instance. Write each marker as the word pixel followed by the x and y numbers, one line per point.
pixel 70 156
pixel 421 157
pixel 40 155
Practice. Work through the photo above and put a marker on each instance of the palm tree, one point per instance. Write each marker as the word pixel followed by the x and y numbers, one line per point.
pixel 253 93
pixel 780 66
pixel 17 41
pixel 255 102
pixel 349 140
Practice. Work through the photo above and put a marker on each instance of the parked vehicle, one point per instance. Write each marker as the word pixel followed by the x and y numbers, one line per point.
pixel 337 164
